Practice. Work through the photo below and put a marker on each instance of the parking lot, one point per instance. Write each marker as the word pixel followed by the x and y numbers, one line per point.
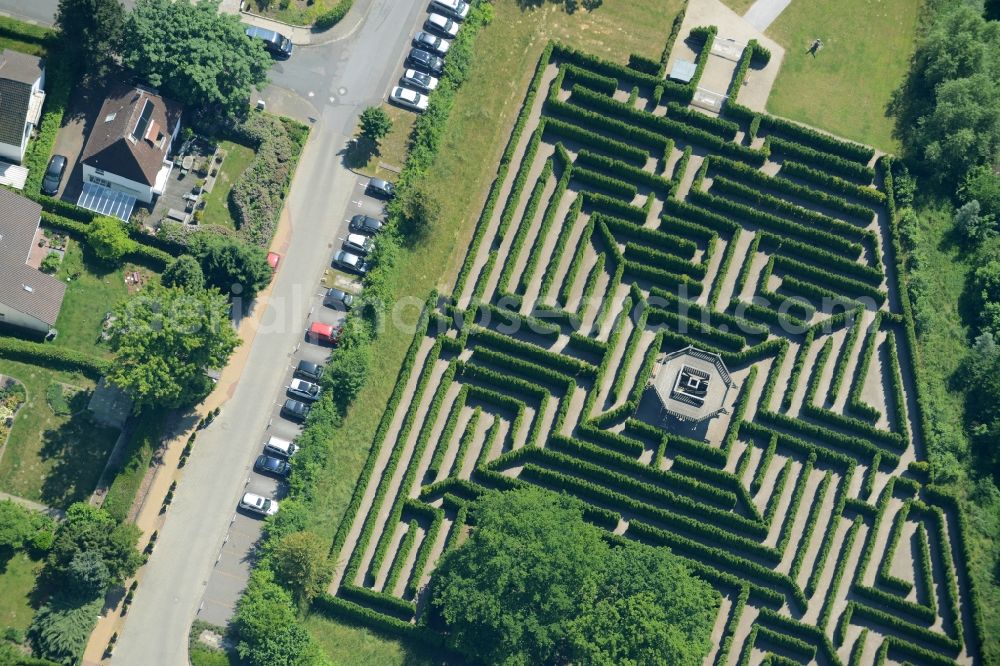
pixel 235 558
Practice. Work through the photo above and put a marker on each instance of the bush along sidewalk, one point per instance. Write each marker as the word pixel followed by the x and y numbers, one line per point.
pixel 267 594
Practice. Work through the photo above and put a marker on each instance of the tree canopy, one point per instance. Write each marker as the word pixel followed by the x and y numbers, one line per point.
pixel 20 527
pixel 375 123
pixel 194 53
pixel 301 563
pixel 184 272
pixel 536 584
pixel 232 267
pixel 91 31
pixel 164 340
pixel 109 239
pixel 948 109
pixel 88 529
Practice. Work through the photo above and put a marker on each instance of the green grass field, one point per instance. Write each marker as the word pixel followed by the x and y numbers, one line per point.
pixel 92 289
pixel 53 458
pixel 18 572
pixel 24 37
pixel 476 135
pixel 738 6
pixel 217 201
pixel 392 148
pixel 844 89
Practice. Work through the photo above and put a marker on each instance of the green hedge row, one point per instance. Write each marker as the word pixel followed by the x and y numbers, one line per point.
pixel 810 525
pixel 831 530
pixel 381 601
pixel 613 186
pixel 423 554
pixel 341 609
pixel 851 443
pixel 573 74
pixel 779 206
pixel 779 489
pixel 820 177
pixel 449 429
pixel 818 141
pixel 655 258
pixel 747 328
pixel 908 628
pixel 644 64
pixel 612 206
pixel 693 327
pixel 821 257
pixel 660 240
pixel 764 465
pixel 402 552
pixel 855 401
pixel 838 165
pixel 367 471
pixel 537 373
pixel 951 587
pixel 145 254
pixel 621 73
pixel 722 656
pixel 800 360
pixel 853 287
pixel 856 213
pixel 574 266
pixel 594 141
pixel 566 364
pixel 50 356
pixel 624 171
pixel 333 16
pixel 896 382
pixel 502 169
pixel 534 257
pixel 744 275
pixel 524 227
pixel 707 554
pixel 712 124
pixel 699 217
pixel 512 318
pixel 723 271
pixel 778 224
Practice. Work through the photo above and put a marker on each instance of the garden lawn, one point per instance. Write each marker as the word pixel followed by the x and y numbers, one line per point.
pixel 18 572
pixel 20 36
pixel 476 135
pixel 392 148
pixel 92 290
pixel 845 88
pixel 55 459
pixel 238 158
pixel 359 645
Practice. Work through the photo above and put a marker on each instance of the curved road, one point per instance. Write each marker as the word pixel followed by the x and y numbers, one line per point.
pixel 330 84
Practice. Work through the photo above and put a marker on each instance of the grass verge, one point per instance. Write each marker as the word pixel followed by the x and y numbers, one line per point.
pixel 18 572
pixel 24 37
pixel 845 87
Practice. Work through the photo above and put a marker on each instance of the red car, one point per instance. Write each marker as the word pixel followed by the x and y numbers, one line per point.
pixel 273 259
pixel 324 333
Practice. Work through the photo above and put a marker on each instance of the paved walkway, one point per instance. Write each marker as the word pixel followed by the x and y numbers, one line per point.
pixel 763 12
pixel 34 506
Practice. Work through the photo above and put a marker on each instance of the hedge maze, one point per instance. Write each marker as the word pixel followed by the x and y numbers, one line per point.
pixel 624 225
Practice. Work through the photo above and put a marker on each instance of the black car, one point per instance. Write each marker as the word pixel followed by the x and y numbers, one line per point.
pixel 362 224
pixel 295 410
pixel 268 465
pixel 428 62
pixel 338 300
pixel 380 188
pixel 53 175
pixel 309 370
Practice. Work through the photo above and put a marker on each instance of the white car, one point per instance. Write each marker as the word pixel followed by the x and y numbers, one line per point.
pixel 300 388
pixel 442 25
pixel 457 9
pixel 259 505
pixel 411 99
pixel 425 83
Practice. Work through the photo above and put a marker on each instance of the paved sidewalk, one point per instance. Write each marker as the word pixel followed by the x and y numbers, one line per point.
pixel 34 506
pixel 763 12
pixel 304 35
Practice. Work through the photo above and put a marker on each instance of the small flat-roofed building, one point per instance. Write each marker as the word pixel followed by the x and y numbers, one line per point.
pixel 682 71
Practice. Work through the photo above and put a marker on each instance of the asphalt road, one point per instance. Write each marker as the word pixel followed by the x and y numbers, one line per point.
pixel 38 11
pixel 343 77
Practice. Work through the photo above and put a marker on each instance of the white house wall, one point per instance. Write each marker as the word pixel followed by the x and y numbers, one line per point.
pixel 12 317
pixel 140 191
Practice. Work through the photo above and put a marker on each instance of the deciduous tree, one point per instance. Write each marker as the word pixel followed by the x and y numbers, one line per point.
pixel 184 272
pixel 91 32
pixel 109 239
pixel 234 268
pixel 164 340
pixel 301 563
pixel 195 54
pixel 375 123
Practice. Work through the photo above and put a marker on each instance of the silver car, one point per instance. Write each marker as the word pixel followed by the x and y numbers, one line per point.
pixel 411 99
pixel 300 388
pixel 262 506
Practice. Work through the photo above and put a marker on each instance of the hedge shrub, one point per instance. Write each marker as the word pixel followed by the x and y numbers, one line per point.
pixel 818 141
pixel 333 16
pixel 840 166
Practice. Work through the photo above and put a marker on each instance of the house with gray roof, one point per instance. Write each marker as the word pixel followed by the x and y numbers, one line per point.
pixel 29 298
pixel 127 150
pixel 22 81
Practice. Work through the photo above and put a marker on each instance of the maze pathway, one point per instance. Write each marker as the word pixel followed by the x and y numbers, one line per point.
pixel 625 226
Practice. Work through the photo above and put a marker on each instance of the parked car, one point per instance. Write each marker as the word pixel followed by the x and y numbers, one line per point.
pixel 262 506
pixel 303 390
pixel 419 81
pixel 349 262
pixel 295 410
pixel 309 370
pixel 362 224
pixel 424 61
pixel 273 259
pixel 273 466
pixel 456 9
pixel 410 99
pixel 324 333
pixel 275 43
pixel 53 175
pixel 442 25
pixel 282 448
pixel 359 244
pixel 338 300
pixel 433 43
pixel 380 188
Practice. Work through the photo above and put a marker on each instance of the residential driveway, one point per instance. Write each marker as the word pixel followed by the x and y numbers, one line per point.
pixel 84 105
pixel 355 73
